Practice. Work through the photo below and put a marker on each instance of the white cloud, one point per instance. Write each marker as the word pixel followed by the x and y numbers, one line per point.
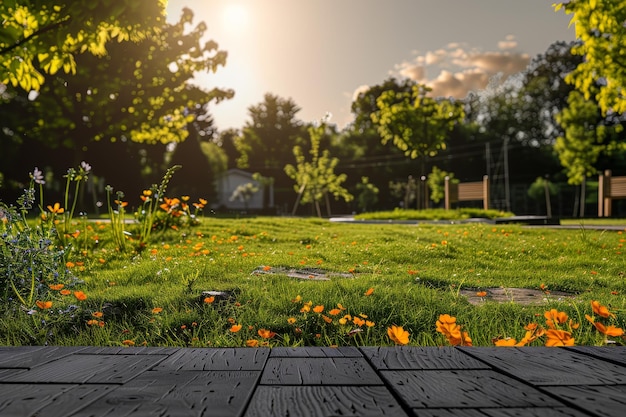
pixel 459 69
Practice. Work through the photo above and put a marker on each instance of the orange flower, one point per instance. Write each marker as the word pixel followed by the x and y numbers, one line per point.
pixel 267 268
pixel 318 309
pixel 56 209
pixel 559 338
pixel 94 322
pixel 607 330
pixel 65 292
pixel 266 334
pixel 252 343
pixel 447 326
pixel 506 342
pixel 554 317
pixel 44 305
pixel 398 335
pixel 601 310
pixel 128 342
pixel 80 296
pixel 156 310
pixel 369 292
pixel 481 293
pixel 235 328
pixel 209 300
pixel 56 287
pixel 358 321
pixel 291 320
pixel 97 314
pixel 327 319
pixel 334 312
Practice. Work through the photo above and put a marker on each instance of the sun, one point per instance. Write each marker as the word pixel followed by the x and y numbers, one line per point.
pixel 235 16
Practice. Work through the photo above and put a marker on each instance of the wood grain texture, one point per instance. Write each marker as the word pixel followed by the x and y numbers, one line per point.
pixel 319 371
pixel 270 401
pixel 316 352
pixel 605 400
pixel 93 369
pixel 608 353
pixel 230 359
pixel 551 366
pixel 49 400
pixel 125 350
pixel 463 389
pixel 183 393
pixel 501 412
pixel 413 357
pixel 29 356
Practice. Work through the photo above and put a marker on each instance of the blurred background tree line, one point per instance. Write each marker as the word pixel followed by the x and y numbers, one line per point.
pixel 111 83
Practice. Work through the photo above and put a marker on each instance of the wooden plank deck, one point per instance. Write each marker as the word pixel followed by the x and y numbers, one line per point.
pixel 312 381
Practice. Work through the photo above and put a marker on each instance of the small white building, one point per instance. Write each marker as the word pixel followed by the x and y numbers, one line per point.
pixel 227 184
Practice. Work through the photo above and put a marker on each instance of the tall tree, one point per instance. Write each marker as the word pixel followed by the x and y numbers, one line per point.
pixel 121 108
pixel 601 30
pixel 43 37
pixel 415 123
pixel 316 179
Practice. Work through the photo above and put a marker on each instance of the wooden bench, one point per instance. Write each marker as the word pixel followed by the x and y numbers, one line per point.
pixel 466 191
pixel 609 189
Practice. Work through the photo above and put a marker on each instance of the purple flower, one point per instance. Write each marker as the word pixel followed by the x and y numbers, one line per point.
pixel 37 176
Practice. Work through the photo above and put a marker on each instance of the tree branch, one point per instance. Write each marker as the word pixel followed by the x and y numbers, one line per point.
pixel 34 35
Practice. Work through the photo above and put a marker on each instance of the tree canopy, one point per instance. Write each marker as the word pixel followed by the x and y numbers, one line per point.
pixel 602 74
pixel 43 37
pixel 415 123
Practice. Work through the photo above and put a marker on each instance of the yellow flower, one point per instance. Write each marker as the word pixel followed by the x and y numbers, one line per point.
pixel 56 209
pixel 291 320
pixel 398 335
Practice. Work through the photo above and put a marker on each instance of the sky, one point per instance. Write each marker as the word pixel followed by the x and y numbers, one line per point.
pixel 320 53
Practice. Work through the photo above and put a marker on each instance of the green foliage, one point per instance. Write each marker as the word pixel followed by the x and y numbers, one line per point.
pixel 30 260
pixel 436 183
pixel 45 37
pixel 434 214
pixel 584 139
pixel 602 74
pixel 415 123
pixel 368 194
pixel 315 179
pixel 537 190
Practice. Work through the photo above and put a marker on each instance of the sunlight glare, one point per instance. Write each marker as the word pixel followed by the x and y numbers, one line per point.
pixel 235 16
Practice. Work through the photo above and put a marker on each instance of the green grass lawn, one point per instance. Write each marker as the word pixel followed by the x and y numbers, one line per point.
pixel 379 275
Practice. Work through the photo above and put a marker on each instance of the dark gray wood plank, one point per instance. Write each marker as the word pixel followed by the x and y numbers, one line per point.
pixel 270 401
pixel 500 412
pixel 606 400
pixel 123 350
pixel 413 357
pixel 209 359
pixel 316 352
pixel 29 356
pixel 464 389
pixel 551 366
pixel 178 394
pixel 94 369
pixel 319 371
pixel 615 354
pixel 50 400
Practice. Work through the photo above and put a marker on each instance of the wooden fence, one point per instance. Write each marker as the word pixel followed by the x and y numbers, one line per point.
pixel 609 189
pixel 466 191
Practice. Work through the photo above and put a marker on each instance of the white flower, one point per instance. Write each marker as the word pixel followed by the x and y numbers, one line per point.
pixel 37 176
pixel 85 166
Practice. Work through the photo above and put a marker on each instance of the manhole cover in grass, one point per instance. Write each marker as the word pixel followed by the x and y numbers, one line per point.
pixel 312 274
pixel 514 295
